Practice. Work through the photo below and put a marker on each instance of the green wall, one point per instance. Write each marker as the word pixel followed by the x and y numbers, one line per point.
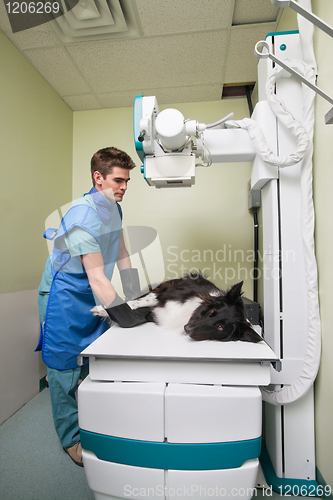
pixel 36 129
pixel 323 181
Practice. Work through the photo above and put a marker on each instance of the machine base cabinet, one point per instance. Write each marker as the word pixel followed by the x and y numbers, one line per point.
pixel 155 440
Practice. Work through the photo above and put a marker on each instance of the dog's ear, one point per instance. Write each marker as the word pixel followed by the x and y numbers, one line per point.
pixel 249 335
pixel 235 292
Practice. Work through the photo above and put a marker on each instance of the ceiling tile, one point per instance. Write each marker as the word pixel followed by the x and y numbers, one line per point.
pixel 117 99
pixel 163 95
pixel 82 102
pixel 4 21
pixel 174 16
pixel 195 58
pixel 57 68
pixel 40 36
pixel 188 94
pixel 256 11
pixel 241 62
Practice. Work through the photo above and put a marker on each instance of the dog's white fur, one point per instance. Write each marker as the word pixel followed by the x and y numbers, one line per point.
pixel 173 316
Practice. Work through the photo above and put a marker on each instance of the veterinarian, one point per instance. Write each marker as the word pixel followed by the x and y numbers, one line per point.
pixel 78 275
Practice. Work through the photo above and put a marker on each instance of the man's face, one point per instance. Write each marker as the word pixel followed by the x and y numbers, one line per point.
pixel 114 186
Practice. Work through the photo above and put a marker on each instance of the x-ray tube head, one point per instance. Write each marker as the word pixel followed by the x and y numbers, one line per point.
pixel 170 127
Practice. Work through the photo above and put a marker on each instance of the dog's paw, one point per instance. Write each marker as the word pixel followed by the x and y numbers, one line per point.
pixel 99 311
pixel 149 300
pixel 134 304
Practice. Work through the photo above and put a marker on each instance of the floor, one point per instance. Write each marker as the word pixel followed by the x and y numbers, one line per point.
pixel 33 465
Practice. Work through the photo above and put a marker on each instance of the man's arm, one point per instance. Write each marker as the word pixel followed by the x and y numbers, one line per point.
pixel 102 287
pixel 129 276
pixel 123 259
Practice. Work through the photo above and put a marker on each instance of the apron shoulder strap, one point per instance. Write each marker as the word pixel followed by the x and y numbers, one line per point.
pixel 50 233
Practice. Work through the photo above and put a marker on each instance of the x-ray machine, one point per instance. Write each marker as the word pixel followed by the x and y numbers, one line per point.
pixel 158 416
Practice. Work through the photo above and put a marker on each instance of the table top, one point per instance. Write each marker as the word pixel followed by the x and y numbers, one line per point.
pixel 151 342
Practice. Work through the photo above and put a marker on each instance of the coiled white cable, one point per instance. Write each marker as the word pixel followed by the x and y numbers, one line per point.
pixel 284 116
pixel 290 393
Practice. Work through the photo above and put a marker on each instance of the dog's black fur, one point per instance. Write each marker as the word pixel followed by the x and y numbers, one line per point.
pixel 221 315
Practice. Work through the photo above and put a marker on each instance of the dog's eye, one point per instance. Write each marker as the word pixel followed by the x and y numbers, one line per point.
pixel 219 327
pixel 211 313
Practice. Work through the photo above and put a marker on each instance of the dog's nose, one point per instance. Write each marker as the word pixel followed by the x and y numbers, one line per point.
pixel 186 328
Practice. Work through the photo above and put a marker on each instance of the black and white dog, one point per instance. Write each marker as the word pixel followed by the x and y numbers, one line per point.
pixel 195 305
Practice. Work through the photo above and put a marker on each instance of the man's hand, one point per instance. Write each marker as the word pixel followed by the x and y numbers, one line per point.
pixel 131 283
pixel 121 313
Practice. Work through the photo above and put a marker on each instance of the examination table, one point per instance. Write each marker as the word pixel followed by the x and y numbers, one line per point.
pixel 163 416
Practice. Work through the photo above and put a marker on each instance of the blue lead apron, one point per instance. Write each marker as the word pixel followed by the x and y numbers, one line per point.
pixel 69 325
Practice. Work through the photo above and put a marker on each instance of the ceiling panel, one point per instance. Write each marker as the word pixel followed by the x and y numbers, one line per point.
pixel 117 99
pixel 187 93
pixel 255 11
pixel 180 51
pixel 172 16
pixel 241 65
pixel 153 62
pixel 40 36
pixel 59 70
pixel 83 102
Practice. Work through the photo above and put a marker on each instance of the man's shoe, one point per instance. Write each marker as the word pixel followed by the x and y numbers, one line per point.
pixel 75 453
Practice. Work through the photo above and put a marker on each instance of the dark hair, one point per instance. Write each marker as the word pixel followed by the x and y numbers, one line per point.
pixel 105 159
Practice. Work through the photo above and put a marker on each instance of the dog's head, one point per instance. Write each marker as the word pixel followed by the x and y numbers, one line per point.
pixel 222 318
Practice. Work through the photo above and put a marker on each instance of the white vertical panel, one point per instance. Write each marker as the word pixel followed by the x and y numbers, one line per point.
pixel 299 438
pixel 273 436
pixel 19 372
pixel 271 252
